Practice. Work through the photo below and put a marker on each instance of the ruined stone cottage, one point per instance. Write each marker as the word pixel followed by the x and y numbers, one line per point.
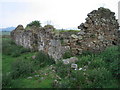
pixel 98 32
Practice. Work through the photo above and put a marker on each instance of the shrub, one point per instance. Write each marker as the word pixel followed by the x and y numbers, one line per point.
pixel 10 48
pixel 21 68
pixel 84 60
pixel 119 49
pixel 24 50
pixel 63 70
pixel 96 63
pixel 111 56
pixel 34 23
pixel 15 53
pixel 98 71
pixel 42 59
pixel 64 83
pixel 86 53
pixel 77 79
pixel 6 79
pixel 96 78
pixel 67 54
pixel 6 46
pixel 115 68
pixel 105 63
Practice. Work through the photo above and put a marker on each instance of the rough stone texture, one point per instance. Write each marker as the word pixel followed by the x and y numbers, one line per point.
pixel 23 37
pixel 74 66
pixel 70 60
pixel 98 32
pixel 39 39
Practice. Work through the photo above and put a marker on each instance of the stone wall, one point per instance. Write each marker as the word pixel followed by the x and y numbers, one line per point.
pixel 39 39
pixel 98 32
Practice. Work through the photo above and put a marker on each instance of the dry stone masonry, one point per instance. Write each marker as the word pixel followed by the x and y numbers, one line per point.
pixel 39 39
pixel 98 32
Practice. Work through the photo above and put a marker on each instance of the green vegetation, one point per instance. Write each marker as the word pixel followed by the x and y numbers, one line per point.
pixel 33 23
pixel 67 54
pixel 94 71
pixel 72 31
pixel 19 67
pixel 4 32
pixel 10 48
pixel 42 59
pixel 21 70
pixel 59 31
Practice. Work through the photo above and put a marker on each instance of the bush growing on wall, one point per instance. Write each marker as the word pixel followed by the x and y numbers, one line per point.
pixel 34 23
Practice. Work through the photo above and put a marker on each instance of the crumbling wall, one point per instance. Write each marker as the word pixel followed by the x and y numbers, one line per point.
pixel 98 32
pixel 23 37
pixel 41 39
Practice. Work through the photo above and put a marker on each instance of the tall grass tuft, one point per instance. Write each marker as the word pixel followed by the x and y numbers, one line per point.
pixel 10 48
pixel 21 68
pixel 42 59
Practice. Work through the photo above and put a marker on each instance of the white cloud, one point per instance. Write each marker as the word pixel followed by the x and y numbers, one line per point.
pixel 62 13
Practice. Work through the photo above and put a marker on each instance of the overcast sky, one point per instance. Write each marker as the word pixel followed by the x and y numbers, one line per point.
pixel 60 13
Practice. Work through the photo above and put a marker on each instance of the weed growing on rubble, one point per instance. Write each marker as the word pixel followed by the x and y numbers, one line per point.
pixel 42 59
pixel 96 70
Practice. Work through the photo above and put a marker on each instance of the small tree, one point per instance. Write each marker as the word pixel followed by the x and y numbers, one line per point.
pixel 34 23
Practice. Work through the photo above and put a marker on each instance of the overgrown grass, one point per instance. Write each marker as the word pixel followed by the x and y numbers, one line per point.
pixel 10 48
pixel 21 68
pixel 94 71
pixel 67 54
pixel 16 69
pixel 97 70
pixel 42 59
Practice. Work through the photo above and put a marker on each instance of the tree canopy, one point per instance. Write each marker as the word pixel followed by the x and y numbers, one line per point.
pixel 34 23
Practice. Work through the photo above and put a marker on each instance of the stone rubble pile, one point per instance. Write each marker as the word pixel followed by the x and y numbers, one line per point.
pixel 98 32
pixel 70 60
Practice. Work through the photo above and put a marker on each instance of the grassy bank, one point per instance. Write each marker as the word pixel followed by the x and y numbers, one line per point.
pixel 23 68
pixel 14 56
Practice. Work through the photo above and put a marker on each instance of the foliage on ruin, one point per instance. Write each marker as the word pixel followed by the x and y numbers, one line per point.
pixel 35 23
pixel 94 70
pixel 98 70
